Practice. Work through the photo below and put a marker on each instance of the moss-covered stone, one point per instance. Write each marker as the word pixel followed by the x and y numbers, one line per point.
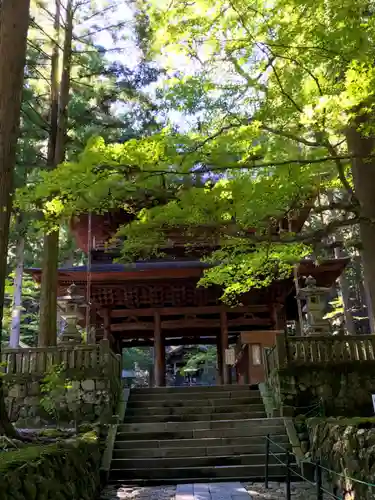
pixel 347 447
pixel 65 470
pixel 343 390
pixel 90 397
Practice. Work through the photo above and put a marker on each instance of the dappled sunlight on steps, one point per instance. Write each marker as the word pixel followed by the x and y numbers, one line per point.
pixel 195 435
pixel 212 491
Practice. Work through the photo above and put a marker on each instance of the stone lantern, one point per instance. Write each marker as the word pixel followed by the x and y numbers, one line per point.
pixel 70 305
pixel 315 297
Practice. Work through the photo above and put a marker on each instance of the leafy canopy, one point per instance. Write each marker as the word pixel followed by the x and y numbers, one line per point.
pixel 268 89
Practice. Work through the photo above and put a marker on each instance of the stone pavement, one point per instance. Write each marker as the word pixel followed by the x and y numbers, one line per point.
pixel 211 491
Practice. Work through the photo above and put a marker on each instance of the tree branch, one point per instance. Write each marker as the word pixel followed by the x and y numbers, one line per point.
pixel 211 168
pixel 292 137
pixel 340 170
pixel 309 237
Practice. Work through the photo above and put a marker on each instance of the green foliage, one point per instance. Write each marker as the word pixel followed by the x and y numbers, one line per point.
pixel 133 357
pixel 198 357
pixel 267 93
pixel 30 310
pixel 61 470
pixel 337 309
pixel 55 388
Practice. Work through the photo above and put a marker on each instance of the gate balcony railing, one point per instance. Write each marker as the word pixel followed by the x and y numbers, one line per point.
pixel 319 350
pixel 38 360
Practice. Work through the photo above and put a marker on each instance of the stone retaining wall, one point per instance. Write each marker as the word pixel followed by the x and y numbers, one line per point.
pixel 347 446
pixel 343 390
pixel 84 400
pixel 63 471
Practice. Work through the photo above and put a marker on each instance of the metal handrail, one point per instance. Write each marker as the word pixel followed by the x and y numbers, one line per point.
pixel 289 472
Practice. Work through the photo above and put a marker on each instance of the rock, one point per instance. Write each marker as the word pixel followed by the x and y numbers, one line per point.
pixel 88 385
pixel 15 392
pixel 305 447
pixel 88 397
pixel 34 389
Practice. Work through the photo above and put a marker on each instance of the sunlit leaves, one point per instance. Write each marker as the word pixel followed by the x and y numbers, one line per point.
pixel 239 269
pixel 267 90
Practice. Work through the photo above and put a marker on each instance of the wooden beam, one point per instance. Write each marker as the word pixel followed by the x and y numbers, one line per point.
pixel 256 336
pixel 173 341
pixel 132 327
pixel 249 322
pixel 189 324
pixel 173 311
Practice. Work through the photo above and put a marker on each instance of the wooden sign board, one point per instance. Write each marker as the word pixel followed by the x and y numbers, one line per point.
pixel 230 357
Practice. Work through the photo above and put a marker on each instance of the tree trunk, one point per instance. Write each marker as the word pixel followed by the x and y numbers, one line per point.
pixel 14 22
pixel 56 155
pixel 363 167
pixel 345 293
pixel 48 294
pixel 17 295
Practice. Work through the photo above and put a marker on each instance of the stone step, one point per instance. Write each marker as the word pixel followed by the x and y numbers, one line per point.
pixel 201 425
pixel 192 418
pixel 193 388
pixel 191 410
pixel 197 461
pixel 196 474
pixel 195 403
pixel 281 439
pixel 154 396
pixel 197 451
pixel 256 430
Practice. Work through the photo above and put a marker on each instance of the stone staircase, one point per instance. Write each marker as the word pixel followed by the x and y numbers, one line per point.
pixel 195 434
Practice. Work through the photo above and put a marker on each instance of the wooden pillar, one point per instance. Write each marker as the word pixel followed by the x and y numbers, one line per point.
pixel 219 354
pixel 274 316
pixel 247 362
pixel 106 323
pixel 242 368
pixel 240 373
pixel 159 353
pixel 224 345
pixel 277 312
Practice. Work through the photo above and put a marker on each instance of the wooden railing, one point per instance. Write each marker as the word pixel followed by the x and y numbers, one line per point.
pixel 320 350
pixel 38 360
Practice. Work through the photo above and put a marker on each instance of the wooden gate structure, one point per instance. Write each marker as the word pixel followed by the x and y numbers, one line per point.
pixel 157 302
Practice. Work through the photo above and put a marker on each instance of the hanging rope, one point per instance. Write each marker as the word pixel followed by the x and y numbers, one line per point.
pixel 88 279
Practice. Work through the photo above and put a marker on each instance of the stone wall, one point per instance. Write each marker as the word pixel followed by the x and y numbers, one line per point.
pixel 346 446
pixel 343 389
pixel 83 400
pixel 62 471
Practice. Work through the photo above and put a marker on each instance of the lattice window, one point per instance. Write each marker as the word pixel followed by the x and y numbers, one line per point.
pixel 103 296
pixel 179 295
pixel 154 296
pixel 130 298
pixel 134 296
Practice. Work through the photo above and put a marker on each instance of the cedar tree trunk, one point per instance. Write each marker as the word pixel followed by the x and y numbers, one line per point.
pixel 14 23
